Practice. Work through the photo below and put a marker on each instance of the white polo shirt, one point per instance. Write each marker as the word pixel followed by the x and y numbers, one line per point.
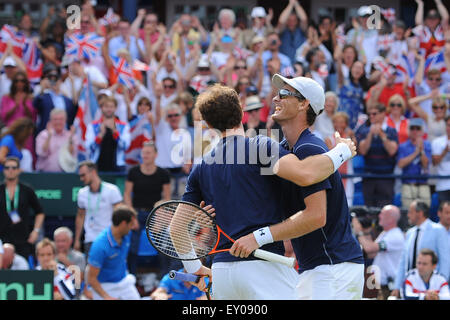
pixel 388 258
pixel 99 207
pixel 443 168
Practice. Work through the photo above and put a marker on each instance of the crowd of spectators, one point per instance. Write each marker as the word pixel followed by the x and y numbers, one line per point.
pixel 119 96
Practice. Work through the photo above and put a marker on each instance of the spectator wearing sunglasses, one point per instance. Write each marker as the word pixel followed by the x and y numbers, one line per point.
pixel 414 158
pixel 17 202
pixel 433 81
pixel 435 122
pixel 378 143
pixel 395 117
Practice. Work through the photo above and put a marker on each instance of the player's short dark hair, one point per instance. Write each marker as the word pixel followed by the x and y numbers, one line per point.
pixel 220 107
pixel 429 252
pixel 89 164
pixel 311 115
pixel 123 213
pixel 422 206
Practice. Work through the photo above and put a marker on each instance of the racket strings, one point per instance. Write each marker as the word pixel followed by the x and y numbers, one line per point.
pixel 177 229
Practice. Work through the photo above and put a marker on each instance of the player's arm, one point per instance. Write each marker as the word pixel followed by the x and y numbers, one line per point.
pixel 315 168
pixel 95 284
pixel 79 221
pixel 303 222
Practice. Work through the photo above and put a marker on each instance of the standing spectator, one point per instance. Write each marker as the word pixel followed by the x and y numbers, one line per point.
pixel 12 260
pixel 146 184
pixel 433 82
pixel 435 122
pixel 386 250
pixel 51 141
pixel 149 28
pixel 254 124
pixel 441 159
pixel 261 27
pixel 423 282
pixel 108 138
pixel 324 122
pixel 385 89
pixel 107 273
pixel 63 280
pixel 414 158
pixel 126 40
pixel 10 64
pixel 13 139
pixel 424 234
pixel 378 144
pixel 292 27
pixel 395 117
pixel 273 52
pixel 96 202
pixel 17 201
pixel 340 122
pixel 52 98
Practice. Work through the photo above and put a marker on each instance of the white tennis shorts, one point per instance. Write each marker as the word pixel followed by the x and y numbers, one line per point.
pixel 125 289
pixel 253 280
pixel 343 281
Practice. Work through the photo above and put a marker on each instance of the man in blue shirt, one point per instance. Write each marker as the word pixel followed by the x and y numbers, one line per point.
pixel 246 197
pixel 169 289
pixel 107 261
pixel 330 259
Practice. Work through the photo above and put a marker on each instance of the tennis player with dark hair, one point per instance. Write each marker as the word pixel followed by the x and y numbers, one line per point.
pixel 230 179
pixel 330 259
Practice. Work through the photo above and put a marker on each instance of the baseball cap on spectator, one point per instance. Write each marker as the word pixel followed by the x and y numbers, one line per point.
pixel 433 14
pixel 49 68
pixel 257 39
pixel 364 11
pixel 203 62
pixel 307 87
pixel 415 122
pixel 251 90
pixel 252 103
pixel 9 62
pixel 258 12
pixel 226 39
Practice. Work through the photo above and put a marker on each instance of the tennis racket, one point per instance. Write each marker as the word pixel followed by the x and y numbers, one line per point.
pixel 183 276
pixel 184 231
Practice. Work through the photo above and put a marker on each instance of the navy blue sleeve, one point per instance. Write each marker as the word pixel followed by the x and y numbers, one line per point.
pixel 268 151
pixel 306 150
pixel 193 192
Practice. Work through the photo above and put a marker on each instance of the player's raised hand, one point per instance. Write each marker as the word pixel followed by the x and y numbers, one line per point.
pixel 351 145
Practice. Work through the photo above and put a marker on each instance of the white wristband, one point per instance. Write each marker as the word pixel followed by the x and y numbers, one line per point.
pixel 263 236
pixel 191 266
pixel 339 154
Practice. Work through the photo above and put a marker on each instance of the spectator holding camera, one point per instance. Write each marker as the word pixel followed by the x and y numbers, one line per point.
pixel 387 248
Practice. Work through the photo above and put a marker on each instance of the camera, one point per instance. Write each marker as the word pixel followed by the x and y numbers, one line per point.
pixel 367 216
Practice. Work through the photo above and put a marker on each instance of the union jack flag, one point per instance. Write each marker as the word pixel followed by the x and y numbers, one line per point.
pixel 84 46
pixel 109 18
pixel 389 14
pixel 340 35
pixel 124 71
pixel 435 60
pixel 86 113
pixel 385 41
pixel 33 62
pixel 140 132
pixel 381 65
pixel 8 33
pixel 405 69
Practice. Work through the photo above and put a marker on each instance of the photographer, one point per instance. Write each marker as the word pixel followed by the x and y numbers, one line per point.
pixel 386 250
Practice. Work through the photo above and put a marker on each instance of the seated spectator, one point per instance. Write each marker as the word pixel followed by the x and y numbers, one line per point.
pixel 324 122
pixel 435 122
pixel 169 289
pixel 63 281
pixel 51 141
pixel 378 144
pixel 423 282
pixel 12 260
pixel 386 250
pixel 414 158
pixel 108 138
pixel 395 117
pixel 253 125
pixel 65 254
pixel 51 98
pixel 340 124
pixel 13 139
pixel 441 159
pixel 385 89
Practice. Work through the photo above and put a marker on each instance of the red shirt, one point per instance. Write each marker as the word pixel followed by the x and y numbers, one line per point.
pixel 388 92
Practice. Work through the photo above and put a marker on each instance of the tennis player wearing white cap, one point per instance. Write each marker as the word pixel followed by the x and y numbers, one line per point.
pixel 331 264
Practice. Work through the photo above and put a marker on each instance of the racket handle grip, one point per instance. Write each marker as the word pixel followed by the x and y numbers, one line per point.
pixel 183 276
pixel 273 257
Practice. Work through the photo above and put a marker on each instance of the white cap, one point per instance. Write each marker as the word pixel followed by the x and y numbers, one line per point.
pixel 307 87
pixel 203 61
pixel 9 61
pixel 258 12
pixel 252 103
pixel 364 10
